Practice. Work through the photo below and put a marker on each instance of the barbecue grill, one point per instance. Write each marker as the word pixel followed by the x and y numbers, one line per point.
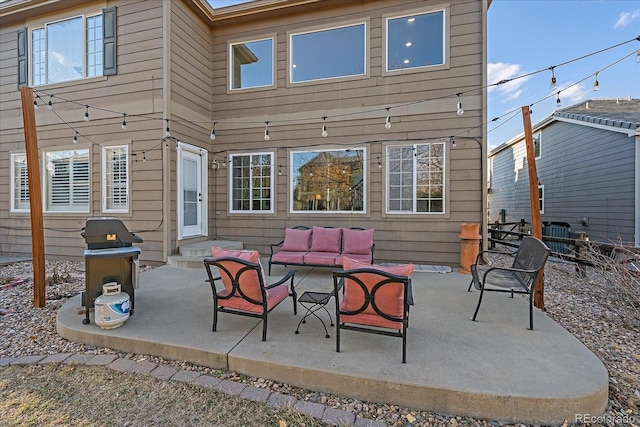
pixel 109 257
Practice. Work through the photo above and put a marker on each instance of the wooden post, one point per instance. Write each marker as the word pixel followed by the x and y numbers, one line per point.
pixel 35 196
pixel 536 223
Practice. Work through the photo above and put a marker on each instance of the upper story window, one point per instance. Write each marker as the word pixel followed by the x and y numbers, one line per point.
pixel 19 183
pixel 251 64
pixel 329 53
pixel 328 181
pixel 252 182
pixel 416 40
pixel 66 50
pixel 69 48
pixel 415 178
pixel 115 179
pixel 67 181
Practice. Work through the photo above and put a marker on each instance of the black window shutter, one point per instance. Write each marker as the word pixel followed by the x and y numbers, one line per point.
pixel 109 40
pixel 23 64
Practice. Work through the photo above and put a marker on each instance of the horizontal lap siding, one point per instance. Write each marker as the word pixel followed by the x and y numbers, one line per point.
pixel 136 90
pixel 417 238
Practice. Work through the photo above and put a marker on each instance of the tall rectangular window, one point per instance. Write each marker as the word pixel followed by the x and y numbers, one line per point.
pixel 328 181
pixel 415 178
pixel 67 181
pixel 65 50
pixel 330 53
pixel 541 197
pixel 537 144
pixel 416 40
pixel 115 179
pixel 252 182
pixel 251 64
pixel 19 183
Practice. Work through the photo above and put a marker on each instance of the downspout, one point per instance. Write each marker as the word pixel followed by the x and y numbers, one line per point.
pixel 166 148
pixel 483 139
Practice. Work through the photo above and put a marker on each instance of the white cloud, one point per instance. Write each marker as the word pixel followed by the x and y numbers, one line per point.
pixel 573 94
pixel 626 18
pixel 500 71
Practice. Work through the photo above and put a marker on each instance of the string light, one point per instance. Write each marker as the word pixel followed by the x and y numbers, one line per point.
pixel 35 103
pixel 266 131
pixel 279 170
pixel 596 85
pixel 387 123
pixel 213 132
pixel 638 57
pixel 50 104
pixel 453 141
pixel 86 114
pixel 324 127
pixel 552 83
pixel 459 111
pixel 379 162
pixel 224 162
pixel 124 121
pixel 75 138
pixel 167 131
pixel 144 156
pixel 558 102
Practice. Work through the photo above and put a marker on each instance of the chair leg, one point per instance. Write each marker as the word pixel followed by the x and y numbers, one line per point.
pixel 338 335
pixel 531 312
pixel 470 284
pixel 404 345
pixel 478 306
pixel 215 317
pixel 264 327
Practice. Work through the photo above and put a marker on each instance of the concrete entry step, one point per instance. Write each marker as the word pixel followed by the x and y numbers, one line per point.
pixel 192 254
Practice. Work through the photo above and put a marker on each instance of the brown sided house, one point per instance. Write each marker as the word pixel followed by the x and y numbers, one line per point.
pixel 383 78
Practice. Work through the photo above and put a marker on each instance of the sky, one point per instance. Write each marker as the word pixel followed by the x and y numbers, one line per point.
pixel 525 36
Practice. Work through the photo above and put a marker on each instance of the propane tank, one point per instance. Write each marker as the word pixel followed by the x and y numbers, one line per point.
pixel 112 307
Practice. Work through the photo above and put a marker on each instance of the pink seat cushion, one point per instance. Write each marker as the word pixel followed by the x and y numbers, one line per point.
pixel 362 258
pixel 275 296
pixel 326 239
pixel 389 299
pixel 249 281
pixel 296 240
pixel 321 258
pixel 357 241
pixel 287 257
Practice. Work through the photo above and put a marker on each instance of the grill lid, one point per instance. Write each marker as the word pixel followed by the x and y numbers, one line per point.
pixel 107 232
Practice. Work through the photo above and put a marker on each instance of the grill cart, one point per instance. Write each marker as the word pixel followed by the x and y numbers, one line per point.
pixel 109 257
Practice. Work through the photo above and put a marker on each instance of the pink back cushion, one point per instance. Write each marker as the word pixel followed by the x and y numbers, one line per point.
pixel 326 239
pixel 357 241
pixel 249 281
pixel 389 298
pixel 296 240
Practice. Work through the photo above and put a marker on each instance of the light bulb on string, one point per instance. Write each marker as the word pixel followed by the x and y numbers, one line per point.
pixel 453 141
pixel 558 102
pixel 379 163
pixel 224 162
pixel 167 131
pixel 324 127
pixel 50 103
pixel 266 131
pixel 459 109
pixel 638 57
pixel 144 156
pixel 75 138
pixel 279 170
pixel 552 84
pixel 124 121
pixel 387 123
pixel 35 104
pixel 86 114
pixel 596 85
pixel 213 132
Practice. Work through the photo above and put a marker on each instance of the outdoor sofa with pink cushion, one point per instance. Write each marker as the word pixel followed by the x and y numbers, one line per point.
pixel 322 246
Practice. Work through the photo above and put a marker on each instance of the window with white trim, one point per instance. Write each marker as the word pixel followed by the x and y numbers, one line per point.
pixel 416 178
pixel 115 179
pixel 328 181
pixel 251 182
pixel 416 40
pixel 251 64
pixel 67 181
pixel 537 145
pixel 68 49
pixel 328 53
pixel 19 183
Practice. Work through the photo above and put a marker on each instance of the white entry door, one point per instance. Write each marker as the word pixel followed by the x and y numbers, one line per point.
pixel 192 191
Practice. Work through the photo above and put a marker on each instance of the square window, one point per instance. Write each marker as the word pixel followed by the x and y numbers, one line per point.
pixel 251 64
pixel 251 182
pixel 327 54
pixel 67 181
pixel 416 40
pixel 328 181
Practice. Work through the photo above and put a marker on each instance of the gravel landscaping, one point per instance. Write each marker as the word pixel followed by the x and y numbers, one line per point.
pixel 584 306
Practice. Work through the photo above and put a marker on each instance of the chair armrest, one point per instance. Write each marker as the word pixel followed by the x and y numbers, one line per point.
pixel 289 275
pixel 272 245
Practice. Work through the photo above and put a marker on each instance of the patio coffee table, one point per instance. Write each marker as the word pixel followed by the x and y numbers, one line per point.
pixel 314 301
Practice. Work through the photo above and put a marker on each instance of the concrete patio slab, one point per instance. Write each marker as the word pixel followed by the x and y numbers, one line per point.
pixel 494 368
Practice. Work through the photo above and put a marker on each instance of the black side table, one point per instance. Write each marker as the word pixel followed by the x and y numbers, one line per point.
pixel 314 301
